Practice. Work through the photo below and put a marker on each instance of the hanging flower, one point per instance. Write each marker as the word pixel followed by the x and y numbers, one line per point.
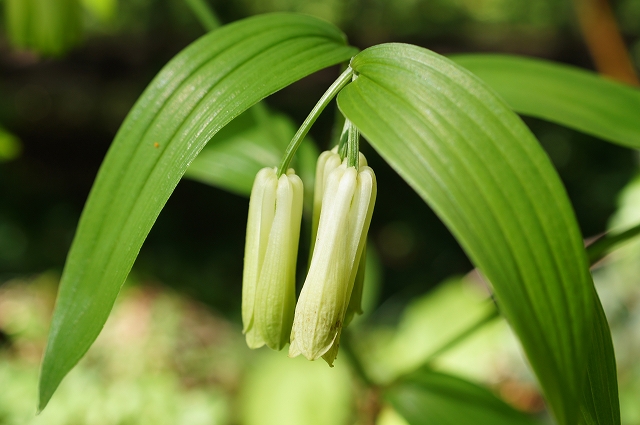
pixel 268 283
pixel 347 199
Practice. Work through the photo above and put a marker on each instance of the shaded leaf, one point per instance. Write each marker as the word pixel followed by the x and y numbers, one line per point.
pixel 600 402
pixel 433 398
pixel 482 171
pixel 197 93
pixel 254 140
pixel 10 146
pixel 562 94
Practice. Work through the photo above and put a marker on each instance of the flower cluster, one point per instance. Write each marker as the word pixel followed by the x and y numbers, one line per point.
pixel 331 294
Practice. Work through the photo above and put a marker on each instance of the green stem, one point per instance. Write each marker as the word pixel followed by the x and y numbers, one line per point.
pixel 597 250
pixel 344 137
pixel 489 317
pixel 331 92
pixel 353 146
pixel 205 14
pixel 339 119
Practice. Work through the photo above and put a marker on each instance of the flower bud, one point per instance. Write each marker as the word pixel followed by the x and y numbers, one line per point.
pixel 327 162
pixel 268 282
pixel 347 203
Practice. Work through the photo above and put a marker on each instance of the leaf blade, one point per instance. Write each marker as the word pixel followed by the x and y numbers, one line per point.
pixel 197 93
pixel 481 170
pixel 562 94
pixel 435 398
pixel 600 401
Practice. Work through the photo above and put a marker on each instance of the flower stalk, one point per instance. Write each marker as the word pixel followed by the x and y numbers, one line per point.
pixel 344 79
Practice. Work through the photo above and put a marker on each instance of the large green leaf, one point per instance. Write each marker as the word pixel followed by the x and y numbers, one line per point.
pixel 427 397
pixel 478 166
pixel 563 94
pixel 600 402
pixel 198 92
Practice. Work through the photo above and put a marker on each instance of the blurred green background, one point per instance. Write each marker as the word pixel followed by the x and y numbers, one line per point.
pixel 173 351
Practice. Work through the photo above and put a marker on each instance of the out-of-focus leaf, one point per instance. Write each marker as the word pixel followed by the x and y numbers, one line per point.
pixel 430 321
pixel 432 398
pixel 562 94
pixel 102 9
pixel 482 171
pixel 254 140
pixel 204 13
pixel 48 27
pixel 610 242
pixel 10 146
pixel 625 260
pixel 197 93
pixel 283 391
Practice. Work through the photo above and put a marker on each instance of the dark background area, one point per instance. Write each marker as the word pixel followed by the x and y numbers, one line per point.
pixel 66 111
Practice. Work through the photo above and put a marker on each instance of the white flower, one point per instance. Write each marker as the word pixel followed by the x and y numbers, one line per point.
pixel 348 196
pixel 268 282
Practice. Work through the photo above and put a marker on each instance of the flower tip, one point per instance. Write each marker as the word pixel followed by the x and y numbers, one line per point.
pixel 253 338
pixel 294 351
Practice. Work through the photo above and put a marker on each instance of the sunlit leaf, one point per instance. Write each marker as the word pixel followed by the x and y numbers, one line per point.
pixel 562 94
pixel 197 93
pixel 432 398
pixel 482 171
pixel 283 391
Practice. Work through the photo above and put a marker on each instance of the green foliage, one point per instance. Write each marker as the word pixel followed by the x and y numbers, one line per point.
pixel 485 175
pixel 197 93
pixel 563 94
pixel 104 10
pixel 600 403
pixel 434 398
pixel 254 140
pixel 284 391
pixel 10 146
pixel 48 27
pixel 448 134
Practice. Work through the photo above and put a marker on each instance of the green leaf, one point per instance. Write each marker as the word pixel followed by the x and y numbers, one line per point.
pixel 562 94
pixel 254 140
pixel 104 10
pixel 481 170
pixel 232 158
pixel 282 391
pixel 49 27
pixel 197 93
pixel 432 398
pixel 611 241
pixel 600 402
pixel 10 146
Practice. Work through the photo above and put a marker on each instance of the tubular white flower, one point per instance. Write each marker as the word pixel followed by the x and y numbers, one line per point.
pixel 268 283
pixel 347 204
pixel 327 162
